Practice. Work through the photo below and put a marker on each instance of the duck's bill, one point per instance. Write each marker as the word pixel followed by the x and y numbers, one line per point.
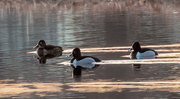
pixel 130 49
pixel 69 55
pixel 36 46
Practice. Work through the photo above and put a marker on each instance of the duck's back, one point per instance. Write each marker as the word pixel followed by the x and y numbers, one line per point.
pixel 88 57
pixel 85 58
pixel 53 50
pixel 51 47
pixel 143 50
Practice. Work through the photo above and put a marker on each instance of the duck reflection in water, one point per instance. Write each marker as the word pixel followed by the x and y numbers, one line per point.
pixel 141 53
pixel 77 70
pixel 45 52
pixel 42 59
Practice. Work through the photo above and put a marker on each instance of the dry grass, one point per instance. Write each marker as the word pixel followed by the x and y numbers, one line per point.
pixel 62 3
pixel 54 3
pixel 165 6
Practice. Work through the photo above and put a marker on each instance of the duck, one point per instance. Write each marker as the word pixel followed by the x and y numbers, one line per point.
pixel 82 60
pixel 43 49
pixel 142 53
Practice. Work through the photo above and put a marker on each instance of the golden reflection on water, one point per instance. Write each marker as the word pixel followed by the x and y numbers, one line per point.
pixel 102 87
pixel 32 52
pixel 24 90
pixel 113 49
pixel 139 61
pixel 143 61
pixel 168 57
pixel 158 48
pixel 90 50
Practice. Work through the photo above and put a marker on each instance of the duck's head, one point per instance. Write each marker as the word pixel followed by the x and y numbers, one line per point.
pixel 75 53
pixel 40 44
pixel 136 47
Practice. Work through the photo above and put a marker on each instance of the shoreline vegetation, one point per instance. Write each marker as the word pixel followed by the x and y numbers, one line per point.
pixel 52 3
pixel 65 3
pixel 166 6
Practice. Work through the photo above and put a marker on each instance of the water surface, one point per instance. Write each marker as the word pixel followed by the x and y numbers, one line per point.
pixel 104 30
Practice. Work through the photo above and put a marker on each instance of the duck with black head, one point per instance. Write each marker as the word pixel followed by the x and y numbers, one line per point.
pixel 142 53
pixel 82 60
pixel 46 50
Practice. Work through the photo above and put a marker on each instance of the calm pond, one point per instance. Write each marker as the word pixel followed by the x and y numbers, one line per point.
pixel 103 30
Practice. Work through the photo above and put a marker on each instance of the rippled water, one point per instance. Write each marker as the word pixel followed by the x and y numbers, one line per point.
pixel 105 31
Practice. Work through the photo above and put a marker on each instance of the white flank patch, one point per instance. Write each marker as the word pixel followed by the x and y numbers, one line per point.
pixel 146 55
pixel 86 63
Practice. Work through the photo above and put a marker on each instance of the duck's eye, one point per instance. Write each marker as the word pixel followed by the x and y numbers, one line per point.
pixel 40 43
